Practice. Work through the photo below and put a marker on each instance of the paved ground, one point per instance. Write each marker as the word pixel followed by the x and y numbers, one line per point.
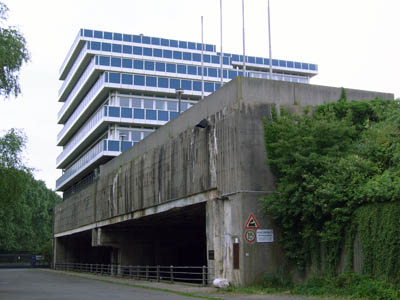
pixel 24 284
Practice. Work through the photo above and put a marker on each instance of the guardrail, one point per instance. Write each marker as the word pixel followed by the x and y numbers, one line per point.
pixel 193 274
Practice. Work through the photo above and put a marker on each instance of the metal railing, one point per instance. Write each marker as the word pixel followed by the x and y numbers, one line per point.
pixel 191 274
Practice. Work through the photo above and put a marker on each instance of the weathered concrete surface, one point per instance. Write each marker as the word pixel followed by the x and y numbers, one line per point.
pixel 180 162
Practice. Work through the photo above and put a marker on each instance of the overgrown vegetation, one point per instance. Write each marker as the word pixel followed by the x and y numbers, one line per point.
pixel 331 163
pixel 25 203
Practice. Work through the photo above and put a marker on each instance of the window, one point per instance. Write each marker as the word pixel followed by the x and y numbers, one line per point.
pixel 173 106
pixel 266 61
pixel 275 62
pixel 225 61
pixel 196 57
pixel 139 80
pixel 147 51
pixel 206 58
pixel 197 86
pixel 297 65
pixel 198 46
pixel 127 63
pixel 145 39
pixel 117 36
pixel 191 45
pixel 186 84
pixel 232 74
pixel 138 64
pixel 151 114
pixel 106 47
pixel 151 81
pixel 127 79
pixel 259 60
pixel 209 87
pixel 104 60
pixel 313 67
pixel 215 59
pixel 137 102
pixel 212 72
pixel 187 56
pixel 304 66
pixel 209 47
pixel 162 115
pixel 108 35
pixel 181 69
pixel 192 70
pixel 251 59
pixel 136 136
pixel 282 63
pixel 95 45
pixel 148 103
pixel 290 64
pixel 127 49
pixel 124 101
pixel 160 104
pixel 164 42
pixel 167 53
pixel 157 52
pixel 88 33
pixel 115 78
pixel 175 83
pixel 171 68
pixel 182 44
pixel 138 113
pixel 235 57
pixel 98 34
pixel 137 50
pixel 173 43
pixel 137 39
pixel 116 48
pixel 155 41
pixel 177 55
pixel 127 38
pixel 163 82
pixel 160 67
pixel 149 65
pixel 115 62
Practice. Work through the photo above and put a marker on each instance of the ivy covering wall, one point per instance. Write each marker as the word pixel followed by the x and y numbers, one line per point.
pixel 331 164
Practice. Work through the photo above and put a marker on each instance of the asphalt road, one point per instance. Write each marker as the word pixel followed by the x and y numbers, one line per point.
pixel 24 284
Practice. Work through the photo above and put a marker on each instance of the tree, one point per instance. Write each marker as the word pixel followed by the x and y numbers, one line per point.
pixel 13 53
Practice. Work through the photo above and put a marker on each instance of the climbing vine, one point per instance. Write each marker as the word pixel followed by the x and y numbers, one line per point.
pixel 329 162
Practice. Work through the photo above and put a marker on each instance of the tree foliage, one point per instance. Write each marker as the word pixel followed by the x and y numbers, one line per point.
pixel 13 53
pixel 328 162
pixel 25 203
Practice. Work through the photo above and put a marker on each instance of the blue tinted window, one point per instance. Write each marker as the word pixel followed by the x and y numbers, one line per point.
pixel 97 60
pixel 155 41
pixel 199 71
pixel 115 78
pixel 241 58
pixel 98 34
pixel 235 57
pixel 173 114
pixel 215 59
pixel 137 39
pixel 217 86
pixel 304 66
pixel 138 64
pixel 225 60
pixel 145 39
pixel 172 105
pixel 198 46
pixel 127 49
pixel 127 38
pixel 115 62
pixel 88 33
pixel 108 35
pixel 225 73
pixel 125 145
pixel 151 114
pixel 251 59
pixel 113 145
pixel 313 67
pixel 209 47
pixel 139 80
pixel 282 63
pixel 147 51
pixel 171 68
pixel 196 57
pixel 116 48
pixel 240 73
pixel 127 63
pixel 181 69
pixel 186 84
pixel 138 113
pixel 104 60
pixel 266 61
pixel 232 74
pixel 212 72
pixel 197 86
pixel 162 115
pixel 174 83
pixel 275 62
pixel 163 82
pixel 105 46
pixel 114 111
pixel 167 53
pixel 164 42
pixel 209 87
pixel 95 45
pixel 182 44
pixel 177 55
pixel 160 67
pixel 290 64
pixel 151 81
pixel 117 36
pixel 137 50
pixel 191 45
pixel 187 56
pixel 259 60
pixel 149 65
pixel 192 70
pixel 157 52
pixel 173 43
pixel 127 79
pixel 106 76
pixel 297 65
pixel 206 58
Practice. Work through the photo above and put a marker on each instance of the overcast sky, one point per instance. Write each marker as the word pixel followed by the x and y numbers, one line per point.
pixel 356 44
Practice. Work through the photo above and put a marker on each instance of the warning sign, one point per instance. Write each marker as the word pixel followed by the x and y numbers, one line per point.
pixel 252 223
pixel 250 236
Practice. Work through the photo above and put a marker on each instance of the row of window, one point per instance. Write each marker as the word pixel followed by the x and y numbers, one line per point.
pixel 164 67
pixel 152 104
pixel 188 56
pixel 161 82
pixel 145 40
pixel 139 113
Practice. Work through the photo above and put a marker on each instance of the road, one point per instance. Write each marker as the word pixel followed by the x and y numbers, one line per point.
pixel 24 284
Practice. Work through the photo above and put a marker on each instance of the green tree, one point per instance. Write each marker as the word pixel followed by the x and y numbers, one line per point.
pixel 13 53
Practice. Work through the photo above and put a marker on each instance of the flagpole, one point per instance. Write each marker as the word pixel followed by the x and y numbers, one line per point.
pixel 269 39
pixel 244 48
pixel 202 61
pixel 220 18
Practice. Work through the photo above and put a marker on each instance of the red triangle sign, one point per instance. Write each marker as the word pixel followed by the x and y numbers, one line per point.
pixel 252 223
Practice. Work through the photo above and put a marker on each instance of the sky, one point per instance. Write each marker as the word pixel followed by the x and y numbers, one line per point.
pixel 356 44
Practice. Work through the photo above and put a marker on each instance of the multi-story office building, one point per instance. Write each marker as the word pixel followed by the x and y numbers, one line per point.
pixel 118 88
